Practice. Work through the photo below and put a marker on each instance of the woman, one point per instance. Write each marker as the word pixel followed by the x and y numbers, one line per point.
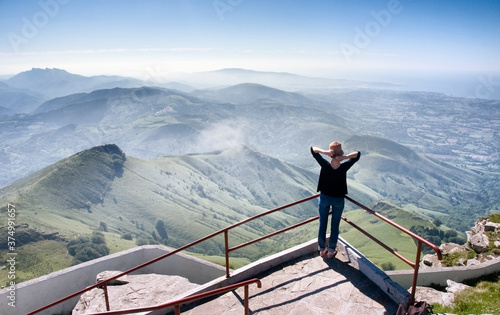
pixel 332 185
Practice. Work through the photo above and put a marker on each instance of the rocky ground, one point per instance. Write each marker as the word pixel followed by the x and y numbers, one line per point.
pixel 132 291
pixel 483 244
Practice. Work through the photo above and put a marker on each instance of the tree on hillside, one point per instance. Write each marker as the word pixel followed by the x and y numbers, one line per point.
pixel 97 238
pixel 88 248
pixel 388 266
pixel 437 222
pixel 160 227
pixel 127 236
pixel 436 236
pixel 103 226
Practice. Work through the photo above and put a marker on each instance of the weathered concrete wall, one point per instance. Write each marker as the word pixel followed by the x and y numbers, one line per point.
pixel 393 289
pixel 428 276
pixel 36 293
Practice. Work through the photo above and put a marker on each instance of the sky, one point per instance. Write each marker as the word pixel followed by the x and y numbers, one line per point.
pixel 365 40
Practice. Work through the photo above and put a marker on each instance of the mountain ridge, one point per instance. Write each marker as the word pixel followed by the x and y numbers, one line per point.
pixel 247 93
pixel 438 188
pixel 57 82
pixel 280 80
pixel 148 122
pixel 194 195
pixel 67 181
pixel 436 185
pixel 19 100
pixel 205 192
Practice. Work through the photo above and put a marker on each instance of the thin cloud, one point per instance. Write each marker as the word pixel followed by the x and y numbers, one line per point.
pixel 104 51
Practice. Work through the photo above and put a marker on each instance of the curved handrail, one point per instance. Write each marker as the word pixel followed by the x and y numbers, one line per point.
pixel 399 227
pixel 415 265
pixel 104 282
pixel 177 303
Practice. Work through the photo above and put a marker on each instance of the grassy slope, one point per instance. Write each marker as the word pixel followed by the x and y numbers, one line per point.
pixel 35 260
pixel 418 183
pixel 194 195
pixel 383 231
pixel 194 204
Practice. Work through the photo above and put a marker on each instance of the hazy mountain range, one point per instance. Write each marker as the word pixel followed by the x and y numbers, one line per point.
pixel 202 153
pixel 415 144
pixel 24 92
pixel 194 195
pixel 56 82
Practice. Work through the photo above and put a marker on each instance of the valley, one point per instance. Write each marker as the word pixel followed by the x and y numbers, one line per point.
pixel 118 158
pixel 459 131
pixel 101 189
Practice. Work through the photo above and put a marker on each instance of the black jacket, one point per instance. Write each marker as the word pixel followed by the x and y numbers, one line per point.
pixel 333 182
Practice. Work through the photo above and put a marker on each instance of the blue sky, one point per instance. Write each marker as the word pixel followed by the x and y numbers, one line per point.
pixel 335 38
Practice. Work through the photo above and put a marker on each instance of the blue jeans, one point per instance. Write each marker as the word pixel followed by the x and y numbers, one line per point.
pixel 337 205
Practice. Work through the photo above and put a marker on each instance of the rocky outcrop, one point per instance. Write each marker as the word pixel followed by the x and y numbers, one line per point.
pixel 430 260
pixel 132 291
pixel 478 241
pixel 491 226
pixel 484 236
pixel 109 274
pixel 433 296
pixel 479 238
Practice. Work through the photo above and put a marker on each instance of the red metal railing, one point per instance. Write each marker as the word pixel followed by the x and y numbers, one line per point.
pixel 177 303
pixel 415 265
pixel 104 283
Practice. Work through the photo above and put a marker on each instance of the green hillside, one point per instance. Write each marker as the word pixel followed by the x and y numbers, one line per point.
pixel 125 197
pixel 420 184
pixel 175 200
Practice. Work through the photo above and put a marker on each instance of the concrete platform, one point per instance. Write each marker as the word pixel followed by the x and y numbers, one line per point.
pixel 305 285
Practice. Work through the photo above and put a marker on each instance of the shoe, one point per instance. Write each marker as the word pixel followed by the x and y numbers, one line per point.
pixel 322 253
pixel 331 254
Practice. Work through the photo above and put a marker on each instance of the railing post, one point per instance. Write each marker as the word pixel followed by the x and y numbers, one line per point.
pixel 228 250
pixel 106 298
pixel 415 273
pixel 247 308
pixel 226 245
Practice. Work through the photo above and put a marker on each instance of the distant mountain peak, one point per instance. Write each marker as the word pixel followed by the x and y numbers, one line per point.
pixel 107 148
pixel 42 80
pixel 54 82
pixel 47 72
pixel 245 93
pixel 48 69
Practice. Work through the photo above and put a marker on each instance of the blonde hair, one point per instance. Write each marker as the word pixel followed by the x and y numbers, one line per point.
pixel 337 148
